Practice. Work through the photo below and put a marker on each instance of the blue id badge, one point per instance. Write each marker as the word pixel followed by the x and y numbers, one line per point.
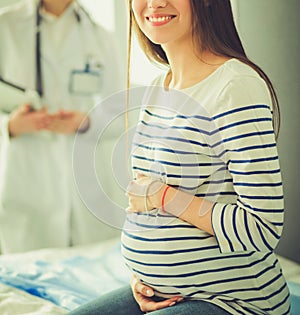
pixel 86 82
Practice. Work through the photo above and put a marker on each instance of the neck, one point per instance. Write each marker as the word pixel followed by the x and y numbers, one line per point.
pixel 188 68
pixel 56 7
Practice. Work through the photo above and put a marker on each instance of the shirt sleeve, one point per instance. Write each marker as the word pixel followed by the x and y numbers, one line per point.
pixel 246 144
pixel 4 117
pixel 4 134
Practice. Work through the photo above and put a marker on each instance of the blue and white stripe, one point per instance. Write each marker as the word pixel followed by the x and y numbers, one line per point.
pixel 216 141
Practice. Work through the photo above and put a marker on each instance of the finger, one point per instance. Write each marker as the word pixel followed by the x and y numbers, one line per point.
pixel 142 298
pixel 47 120
pixel 136 189
pixel 38 116
pixel 59 114
pixel 140 175
pixel 128 188
pixel 164 304
pixel 53 127
pixel 147 305
pixel 168 302
pixel 55 115
pixel 132 210
pixel 44 123
pixel 66 114
pixel 133 281
pixel 143 289
pixel 26 108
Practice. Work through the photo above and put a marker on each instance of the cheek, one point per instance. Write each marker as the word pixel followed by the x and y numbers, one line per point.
pixel 137 8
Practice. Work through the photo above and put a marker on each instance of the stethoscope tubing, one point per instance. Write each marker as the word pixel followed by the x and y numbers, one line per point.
pixel 39 80
pixel 15 86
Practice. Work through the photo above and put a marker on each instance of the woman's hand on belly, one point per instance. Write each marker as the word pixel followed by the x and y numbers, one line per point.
pixel 144 194
pixel 144 297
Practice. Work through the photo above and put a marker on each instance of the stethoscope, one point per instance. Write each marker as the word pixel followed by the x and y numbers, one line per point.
pixel 87 69
pixel 39 80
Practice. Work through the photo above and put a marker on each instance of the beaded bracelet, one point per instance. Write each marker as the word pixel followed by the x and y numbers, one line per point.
pixel 163 199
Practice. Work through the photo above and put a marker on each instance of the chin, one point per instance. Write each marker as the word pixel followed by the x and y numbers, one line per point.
pixel 157 40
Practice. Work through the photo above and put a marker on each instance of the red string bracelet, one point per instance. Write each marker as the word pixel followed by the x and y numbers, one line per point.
pixel 163 199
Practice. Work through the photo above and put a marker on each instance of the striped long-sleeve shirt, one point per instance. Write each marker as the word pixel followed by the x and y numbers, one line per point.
pixel 214 140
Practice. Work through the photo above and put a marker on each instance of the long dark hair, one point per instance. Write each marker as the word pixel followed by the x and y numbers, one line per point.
pixel 213 29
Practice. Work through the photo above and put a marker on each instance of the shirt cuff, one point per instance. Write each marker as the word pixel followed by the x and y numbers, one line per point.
pixel 224 228
pixel 84 126
pixel 4 133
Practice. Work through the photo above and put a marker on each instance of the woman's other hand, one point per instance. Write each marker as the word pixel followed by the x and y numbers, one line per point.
pixel 143 296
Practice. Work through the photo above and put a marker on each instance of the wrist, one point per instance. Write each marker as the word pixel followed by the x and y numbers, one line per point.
pixel 163 198
pixel 155 194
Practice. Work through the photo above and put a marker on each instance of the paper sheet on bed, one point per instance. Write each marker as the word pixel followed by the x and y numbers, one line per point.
pixel 69 282
pixel 17 302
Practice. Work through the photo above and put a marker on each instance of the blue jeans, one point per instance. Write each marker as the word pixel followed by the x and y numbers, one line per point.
pixel 122 302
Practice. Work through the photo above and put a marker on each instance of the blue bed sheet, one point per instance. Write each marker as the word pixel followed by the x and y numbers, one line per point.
pixel 71 282
pixel 295 297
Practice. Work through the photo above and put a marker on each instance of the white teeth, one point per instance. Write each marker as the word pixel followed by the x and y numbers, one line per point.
pixel 160 19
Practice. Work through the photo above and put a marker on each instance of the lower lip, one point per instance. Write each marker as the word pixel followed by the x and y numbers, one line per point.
pixel 161 23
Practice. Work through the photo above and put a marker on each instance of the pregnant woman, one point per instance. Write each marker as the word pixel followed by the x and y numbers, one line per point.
pixel 206 203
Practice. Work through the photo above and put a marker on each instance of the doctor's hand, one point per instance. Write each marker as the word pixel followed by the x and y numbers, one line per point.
pixel 144 194
pixel 68 122
pixel 144 297
pixel 24 120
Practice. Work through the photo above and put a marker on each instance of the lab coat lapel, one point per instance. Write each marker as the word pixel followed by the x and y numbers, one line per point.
pixel 20 53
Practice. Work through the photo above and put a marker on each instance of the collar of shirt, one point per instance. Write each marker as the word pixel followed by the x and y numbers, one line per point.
pixel 51 18
pixel 56 30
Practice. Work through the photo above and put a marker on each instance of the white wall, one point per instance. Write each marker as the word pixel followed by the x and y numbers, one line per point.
pixel 4 3
pixel 102 11
pixel 270 32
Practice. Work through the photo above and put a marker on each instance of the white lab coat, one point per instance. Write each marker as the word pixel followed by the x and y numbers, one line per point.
pixel 39 204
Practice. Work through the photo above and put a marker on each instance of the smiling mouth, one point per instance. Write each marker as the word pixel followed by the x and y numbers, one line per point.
pixel 160 19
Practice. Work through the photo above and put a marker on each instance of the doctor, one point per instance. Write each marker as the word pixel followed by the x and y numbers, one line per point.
pixel 55 48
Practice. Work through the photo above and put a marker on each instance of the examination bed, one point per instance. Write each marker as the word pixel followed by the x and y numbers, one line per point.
pixel 54 281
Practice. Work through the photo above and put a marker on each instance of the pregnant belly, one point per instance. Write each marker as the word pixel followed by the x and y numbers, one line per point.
pixel 167 253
